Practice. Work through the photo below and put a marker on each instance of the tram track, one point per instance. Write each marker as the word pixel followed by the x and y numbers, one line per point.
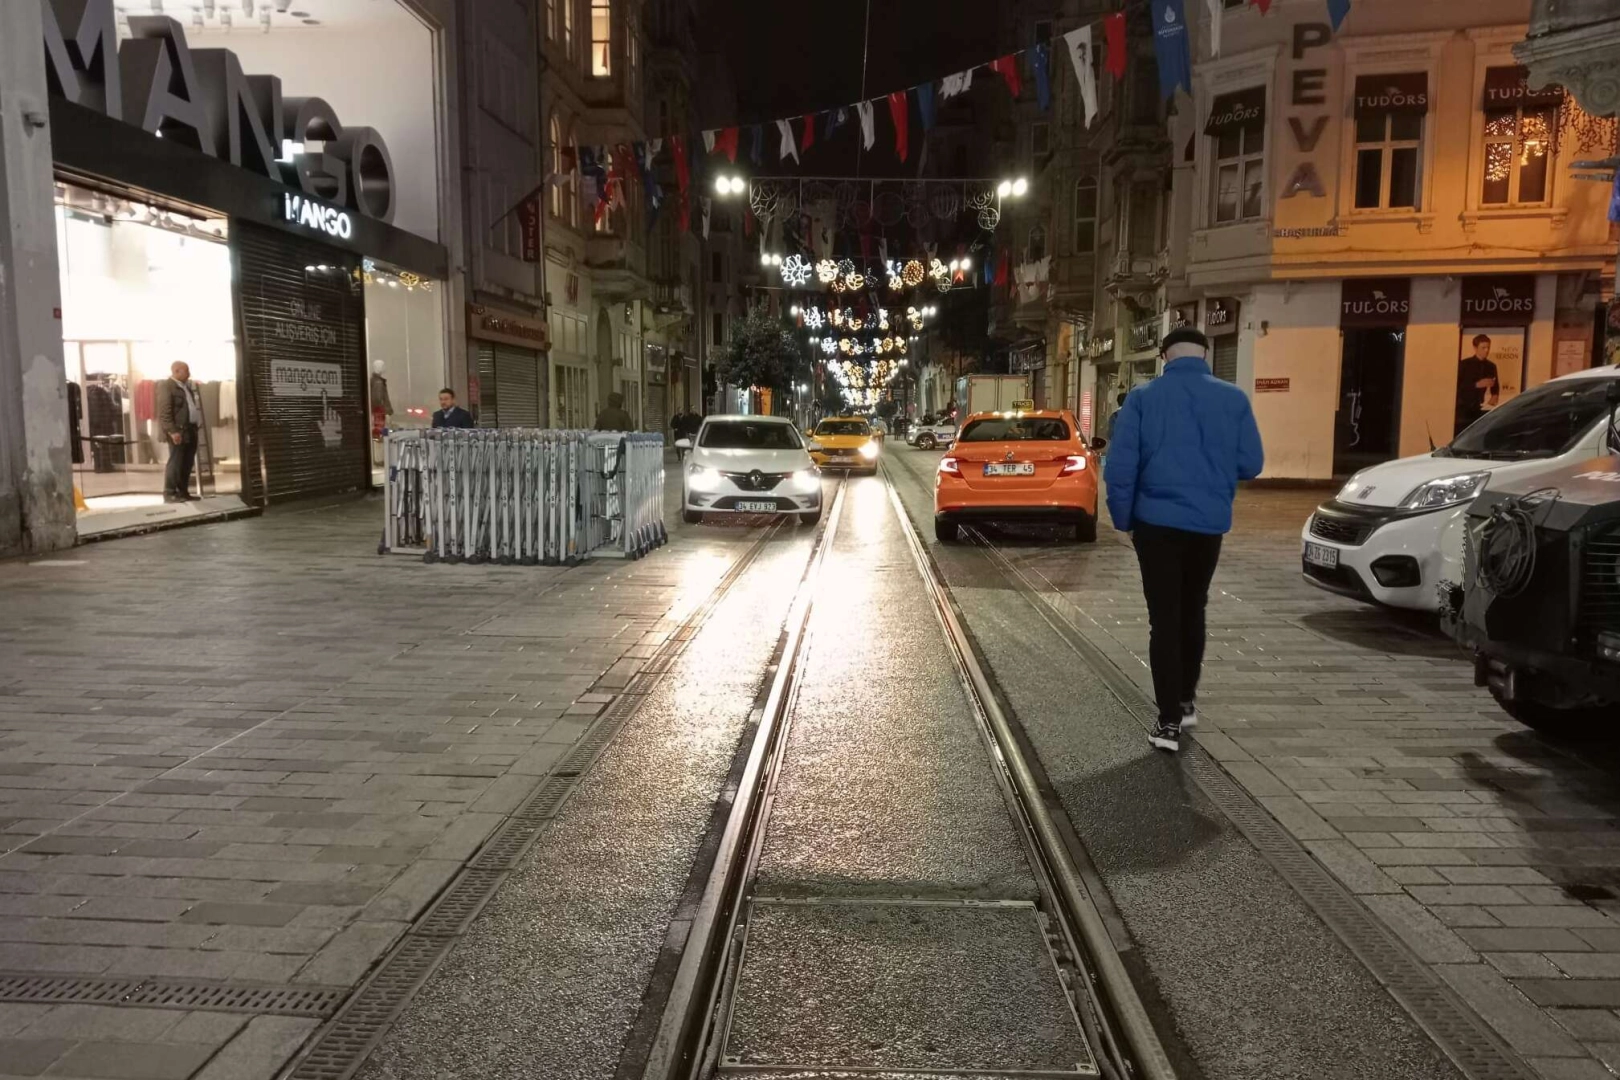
pixel 1083 935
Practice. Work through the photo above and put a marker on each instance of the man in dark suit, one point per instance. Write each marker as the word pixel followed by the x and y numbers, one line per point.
pixel 179 416
pixel 450 414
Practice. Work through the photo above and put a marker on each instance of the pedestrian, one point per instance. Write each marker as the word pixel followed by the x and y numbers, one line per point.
pixel 615 417
pixel 1113 417
pixel 1181 444
pixel 179 417
pixel 449 413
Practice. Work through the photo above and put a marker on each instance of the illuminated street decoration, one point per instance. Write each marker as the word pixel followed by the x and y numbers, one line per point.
pixel 795 271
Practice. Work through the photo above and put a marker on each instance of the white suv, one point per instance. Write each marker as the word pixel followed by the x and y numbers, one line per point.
pixel 749 465
pixel 1394 532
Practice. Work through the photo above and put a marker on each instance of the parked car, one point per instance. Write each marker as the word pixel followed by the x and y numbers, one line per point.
pixel 750 465
pixel 932 433
pixel 1031 467
pixel 1394 532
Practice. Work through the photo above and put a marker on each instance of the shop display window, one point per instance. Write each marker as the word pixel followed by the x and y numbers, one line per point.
pixel 404 347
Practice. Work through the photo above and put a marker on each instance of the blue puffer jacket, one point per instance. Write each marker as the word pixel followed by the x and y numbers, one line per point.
pixel 1181 444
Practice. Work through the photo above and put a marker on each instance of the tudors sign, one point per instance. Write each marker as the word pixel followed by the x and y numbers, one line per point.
pixel 1499 301
pixel 202 99
pixel 1404 93
pixel 1381 302
pixel 1509 88
pixel 1230 112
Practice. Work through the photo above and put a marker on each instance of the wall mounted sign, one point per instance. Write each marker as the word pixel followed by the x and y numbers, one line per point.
pixel 1375 302
pixel 1404 93
pixel 202 99
pixel 1221 315
pixel 1308 88
pixel 1509 88
pixel 1232 112
pixel 310 214
pixel 508 328
pixel 1499 301
pixel 1271 386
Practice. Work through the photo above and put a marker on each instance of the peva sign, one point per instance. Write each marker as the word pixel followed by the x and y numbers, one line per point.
pixel 201 98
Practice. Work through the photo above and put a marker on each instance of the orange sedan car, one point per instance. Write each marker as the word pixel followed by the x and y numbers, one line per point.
pixel 1029 467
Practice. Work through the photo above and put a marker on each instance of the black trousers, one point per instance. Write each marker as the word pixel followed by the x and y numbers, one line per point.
pixel 1177 567
pixel 182 456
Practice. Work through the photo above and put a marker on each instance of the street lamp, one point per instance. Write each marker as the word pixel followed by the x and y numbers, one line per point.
pixel 1014 188
pixel 729 185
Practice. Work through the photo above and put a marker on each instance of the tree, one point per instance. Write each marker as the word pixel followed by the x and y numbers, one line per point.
pixel 761 353
pixel 887 408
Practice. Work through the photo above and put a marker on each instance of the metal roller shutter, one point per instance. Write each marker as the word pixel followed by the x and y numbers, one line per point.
pixel 1226 357
pixel 303 334
pixel 517 373
pixel 489 394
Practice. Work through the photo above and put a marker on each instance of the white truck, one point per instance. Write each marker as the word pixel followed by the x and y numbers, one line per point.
pixel 992 393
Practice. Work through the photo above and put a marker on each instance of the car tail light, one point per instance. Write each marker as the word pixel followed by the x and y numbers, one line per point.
pixel 949 467
pixel 1072 464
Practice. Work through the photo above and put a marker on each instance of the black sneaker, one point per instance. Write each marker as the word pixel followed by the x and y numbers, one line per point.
pixel 1166 737
pixel 1189 715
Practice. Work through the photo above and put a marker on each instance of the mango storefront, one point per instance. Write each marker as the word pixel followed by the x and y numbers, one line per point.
pixel 206 217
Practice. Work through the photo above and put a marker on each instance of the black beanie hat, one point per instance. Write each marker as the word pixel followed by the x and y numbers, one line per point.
pixel 1184 335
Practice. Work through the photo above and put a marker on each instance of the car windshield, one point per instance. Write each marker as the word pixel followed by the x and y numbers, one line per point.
pixel 1015 429
pixel 843 427
pixel 742 435
pixel 1544 422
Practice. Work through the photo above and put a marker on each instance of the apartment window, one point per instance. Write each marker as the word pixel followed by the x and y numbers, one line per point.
pixel 1520 125
pixel 1144 91
pixel 717 268
pixel 1144 219
pixel 1085 215
pixel 1390 111
pixel 574 185
pixel 632 55
pixel 568 26
pixel 1233 5
pixel 1037 243
pixel 1043 32
pixel 601 37
pixel 551 20
pixel 718 338
pixel 554 132
pixel 1237 133
pixel 1040 140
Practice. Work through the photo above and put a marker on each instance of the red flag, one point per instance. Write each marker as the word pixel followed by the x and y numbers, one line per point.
pixel 1007 68
pixel 725 141
pixel 683 177
pixel 1263 5
pixel 1003 268
pixel 1114 35
pixel 808 139
pixel 899 111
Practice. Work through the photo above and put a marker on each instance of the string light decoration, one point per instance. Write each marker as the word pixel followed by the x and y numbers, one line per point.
pixel 795 271
pixel 814 319
pixel 912 275
pixel 1588 133
pixel 827 271
pixel 896 281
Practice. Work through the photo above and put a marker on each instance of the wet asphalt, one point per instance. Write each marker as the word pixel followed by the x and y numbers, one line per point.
pixel 1244 981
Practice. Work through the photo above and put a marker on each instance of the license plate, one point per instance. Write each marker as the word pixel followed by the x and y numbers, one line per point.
pixel 1322 555
pixel 757 507
pixel 1011 468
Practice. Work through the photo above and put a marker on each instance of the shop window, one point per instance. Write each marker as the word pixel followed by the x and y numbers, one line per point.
pixel 555 195
pixel 1037 243
pixel 1518 155
pixel 1085 215
pixel 405 338
pixel 601 38
pixel 1239 180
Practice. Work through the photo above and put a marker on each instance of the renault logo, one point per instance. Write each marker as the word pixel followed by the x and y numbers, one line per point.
pixel 756 479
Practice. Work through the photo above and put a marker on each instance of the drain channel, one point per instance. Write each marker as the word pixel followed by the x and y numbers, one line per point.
pixel 191 994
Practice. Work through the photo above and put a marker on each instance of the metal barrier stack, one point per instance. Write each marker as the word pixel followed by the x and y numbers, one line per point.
pixel 522 496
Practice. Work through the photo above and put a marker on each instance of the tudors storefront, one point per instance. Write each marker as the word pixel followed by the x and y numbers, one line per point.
pixel 203 216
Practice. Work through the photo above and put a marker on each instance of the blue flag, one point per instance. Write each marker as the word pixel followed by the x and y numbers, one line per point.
pixel 1337 10
pixel 832 120
pixel 1040 57
pixel 925 104
pixel 1173 47
pixel 1614 199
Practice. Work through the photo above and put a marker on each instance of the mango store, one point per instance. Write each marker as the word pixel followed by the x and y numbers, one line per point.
pixel 212 211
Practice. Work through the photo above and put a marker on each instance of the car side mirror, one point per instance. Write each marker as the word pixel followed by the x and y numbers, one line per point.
pixel 683 444
pixel 813 447
pixel 1099 443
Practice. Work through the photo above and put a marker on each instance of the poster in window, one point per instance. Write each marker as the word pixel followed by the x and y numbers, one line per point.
pixel 1490 371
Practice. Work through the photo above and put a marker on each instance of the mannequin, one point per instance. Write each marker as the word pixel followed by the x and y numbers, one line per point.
pixel 381 407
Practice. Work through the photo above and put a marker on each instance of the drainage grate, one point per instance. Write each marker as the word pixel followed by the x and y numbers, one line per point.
pixel 459 904
pixel 503 850
pixel 193 994
pixel 346 1042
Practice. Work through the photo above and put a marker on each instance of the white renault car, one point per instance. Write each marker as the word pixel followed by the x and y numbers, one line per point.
pixel 1395 531
pixel 749 465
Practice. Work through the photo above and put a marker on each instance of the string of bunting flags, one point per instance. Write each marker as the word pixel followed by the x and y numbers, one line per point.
pixel 605 171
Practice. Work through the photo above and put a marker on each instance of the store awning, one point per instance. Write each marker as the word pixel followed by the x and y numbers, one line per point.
pixel 1407 93
pixel 1509 87
pixel 1240 109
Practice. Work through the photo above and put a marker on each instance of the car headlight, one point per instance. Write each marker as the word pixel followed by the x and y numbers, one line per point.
pixel 1445 491
pixel 869 450
pixel 805 482
pixel 699 478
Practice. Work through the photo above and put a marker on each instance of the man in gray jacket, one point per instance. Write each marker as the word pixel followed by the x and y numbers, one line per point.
pixel 179 416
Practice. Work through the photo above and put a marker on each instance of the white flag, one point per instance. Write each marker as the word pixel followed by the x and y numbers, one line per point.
pixel 1214 26
pixel 868 133
pixel 790 145
pixel 708 140
pixel 706 204
pixel 959 83
pixel 1085 68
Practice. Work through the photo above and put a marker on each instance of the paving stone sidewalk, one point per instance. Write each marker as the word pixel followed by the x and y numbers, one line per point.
pixel 1492 851
pixel 253 752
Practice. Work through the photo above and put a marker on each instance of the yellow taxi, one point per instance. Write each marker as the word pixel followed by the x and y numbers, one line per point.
pixel 846 442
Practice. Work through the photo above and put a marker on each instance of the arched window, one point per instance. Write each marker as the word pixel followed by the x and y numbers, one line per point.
pixel 568 26
pixel 1085 215
pixel 574 184
pixel 555 133
pixel 1037 243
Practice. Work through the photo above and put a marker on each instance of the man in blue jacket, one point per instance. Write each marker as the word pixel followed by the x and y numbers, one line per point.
pixel 1181 444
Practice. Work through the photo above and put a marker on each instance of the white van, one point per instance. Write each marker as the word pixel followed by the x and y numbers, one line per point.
pixel 1394 532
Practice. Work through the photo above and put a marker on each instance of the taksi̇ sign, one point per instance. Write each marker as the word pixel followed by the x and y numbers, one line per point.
pixel 201 98
pixel 309 214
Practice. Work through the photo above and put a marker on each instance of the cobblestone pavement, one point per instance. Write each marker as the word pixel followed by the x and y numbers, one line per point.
pixel 253 752
pixel 1493 851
